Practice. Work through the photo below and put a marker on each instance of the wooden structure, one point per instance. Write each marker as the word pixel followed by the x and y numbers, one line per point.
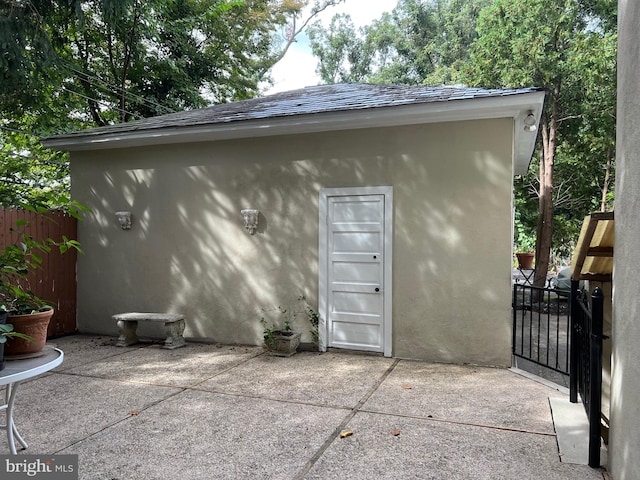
pixel 55 281
pixel 593 261
pixel 593 256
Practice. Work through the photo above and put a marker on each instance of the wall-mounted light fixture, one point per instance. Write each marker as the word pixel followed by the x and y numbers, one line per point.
pixel 250 217
pixel 530 124
pixel 124 218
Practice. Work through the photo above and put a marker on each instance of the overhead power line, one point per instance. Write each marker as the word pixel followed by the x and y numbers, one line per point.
pixel 29 157
pixel 103 102
pixel 15 130
pixel 114 89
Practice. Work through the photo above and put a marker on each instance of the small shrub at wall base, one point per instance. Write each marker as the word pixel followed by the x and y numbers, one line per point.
pixel 314 319
pixel 279 337
pixel 281 341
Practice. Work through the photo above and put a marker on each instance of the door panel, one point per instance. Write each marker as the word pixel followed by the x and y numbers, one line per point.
pixel 355 272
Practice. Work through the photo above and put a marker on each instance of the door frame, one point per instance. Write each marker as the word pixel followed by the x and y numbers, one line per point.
pixel 323 258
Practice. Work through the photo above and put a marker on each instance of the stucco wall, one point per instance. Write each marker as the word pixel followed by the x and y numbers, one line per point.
pixel 624 461
pixel 188 251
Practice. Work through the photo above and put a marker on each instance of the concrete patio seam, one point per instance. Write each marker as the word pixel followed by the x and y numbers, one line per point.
pixel 459 422
pixel 345 421
pixel 214 391
pixel 121 380
pixel 217 374
pixel 271 399
pixel 63 368
pixel 120 421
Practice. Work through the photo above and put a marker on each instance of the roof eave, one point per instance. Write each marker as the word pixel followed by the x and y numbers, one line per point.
pixel 511 106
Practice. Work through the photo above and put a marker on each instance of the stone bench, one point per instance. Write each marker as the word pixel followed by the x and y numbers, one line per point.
pixel 128 324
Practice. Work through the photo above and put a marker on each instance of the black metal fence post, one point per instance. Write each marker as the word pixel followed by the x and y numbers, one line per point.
pixel 597 307
pixel 574 343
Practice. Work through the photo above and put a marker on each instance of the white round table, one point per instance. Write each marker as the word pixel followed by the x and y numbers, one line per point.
pixel 16 371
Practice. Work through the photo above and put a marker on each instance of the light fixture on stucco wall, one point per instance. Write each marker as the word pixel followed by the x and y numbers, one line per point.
pixel 124 218
pixel 250 217
pixel 530 122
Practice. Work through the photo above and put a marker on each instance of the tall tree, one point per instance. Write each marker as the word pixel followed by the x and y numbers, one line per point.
pixel 71 64
pixel 419 42
pixel 548 44
pixel 344 56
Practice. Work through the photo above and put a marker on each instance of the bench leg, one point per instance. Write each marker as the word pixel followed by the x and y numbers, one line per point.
pixel 127 333
pixel 174 332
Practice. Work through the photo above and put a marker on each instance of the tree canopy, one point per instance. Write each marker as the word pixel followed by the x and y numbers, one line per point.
pixel 563 47
pixel 72 64
pixel 419 42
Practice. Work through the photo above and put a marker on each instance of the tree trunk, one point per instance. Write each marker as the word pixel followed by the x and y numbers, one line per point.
pixel 607 180
pixel 544 230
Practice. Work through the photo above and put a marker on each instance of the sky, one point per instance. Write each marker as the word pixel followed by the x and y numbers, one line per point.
pixel 297 68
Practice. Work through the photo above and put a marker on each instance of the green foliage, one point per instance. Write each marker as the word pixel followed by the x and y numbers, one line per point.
pixel 287 317
pixel 19 259
pixel 419 42
pixel 68 65
pixel 71 64
pixel 7 332
pixel 30 173
pixel 568 47
pixel 271 331
pixel 131 59
pixel 314 319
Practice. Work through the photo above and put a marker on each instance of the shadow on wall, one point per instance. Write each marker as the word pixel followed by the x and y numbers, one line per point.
pixel 188 251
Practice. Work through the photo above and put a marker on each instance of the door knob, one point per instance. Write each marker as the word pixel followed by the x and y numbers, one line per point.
pixel 377 289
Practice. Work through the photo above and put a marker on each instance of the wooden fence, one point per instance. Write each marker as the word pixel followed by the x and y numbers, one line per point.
pixel 56 280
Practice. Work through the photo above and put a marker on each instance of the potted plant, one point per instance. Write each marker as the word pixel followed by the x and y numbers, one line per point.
pixel 525 248
pixel 28 314
pixel 7 332
pixel 280 339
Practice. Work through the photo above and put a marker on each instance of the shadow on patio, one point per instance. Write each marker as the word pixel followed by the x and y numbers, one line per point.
pixel 212 411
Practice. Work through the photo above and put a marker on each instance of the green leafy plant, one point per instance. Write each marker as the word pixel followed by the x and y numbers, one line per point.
pixel 524 242
pixel 6 332
pixel 287 318
pixel 272 331
pixel 17 261
pixel 314 318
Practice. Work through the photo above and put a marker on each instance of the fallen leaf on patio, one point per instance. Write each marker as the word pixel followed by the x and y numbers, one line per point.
pixel 395 433
pixel 345 433
pixel 407 387
pixel 134 412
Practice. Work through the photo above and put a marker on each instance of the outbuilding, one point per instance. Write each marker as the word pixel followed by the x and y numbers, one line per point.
pixel 388 207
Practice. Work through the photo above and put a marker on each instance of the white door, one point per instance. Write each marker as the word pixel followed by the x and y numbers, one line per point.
pixel 355 273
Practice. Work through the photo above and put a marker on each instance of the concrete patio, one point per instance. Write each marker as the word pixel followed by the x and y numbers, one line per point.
pixel 211 411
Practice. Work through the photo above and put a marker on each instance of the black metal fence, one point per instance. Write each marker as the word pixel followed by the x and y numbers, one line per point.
pixel 586 361
pixel 562 331
pixel 541 325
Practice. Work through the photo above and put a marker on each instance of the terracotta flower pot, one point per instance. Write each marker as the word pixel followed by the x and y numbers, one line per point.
pixel 525 260
pixel 35 325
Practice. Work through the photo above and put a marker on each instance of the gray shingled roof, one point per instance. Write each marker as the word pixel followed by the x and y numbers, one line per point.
pixel 306 101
